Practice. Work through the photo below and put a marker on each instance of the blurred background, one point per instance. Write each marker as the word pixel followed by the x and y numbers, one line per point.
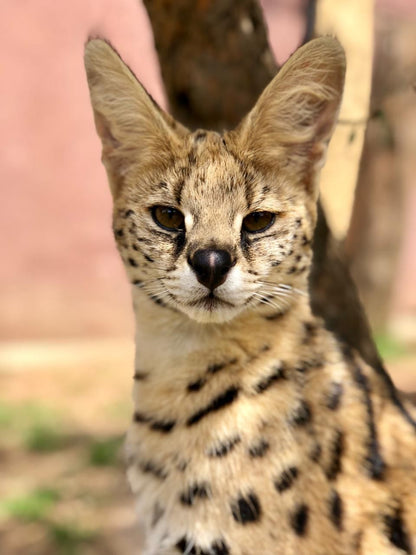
pixel 66 326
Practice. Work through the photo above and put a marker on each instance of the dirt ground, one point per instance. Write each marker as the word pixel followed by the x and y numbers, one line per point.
pixel 64 409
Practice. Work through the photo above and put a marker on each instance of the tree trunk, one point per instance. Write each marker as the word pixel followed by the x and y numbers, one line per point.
pixel 215 61
pixel 352 22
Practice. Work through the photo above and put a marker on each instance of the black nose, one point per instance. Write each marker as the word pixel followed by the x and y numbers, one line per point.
pixel 211 266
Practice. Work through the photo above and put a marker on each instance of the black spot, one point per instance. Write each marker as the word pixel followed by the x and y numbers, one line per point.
pixel 298 222
pixel 276 263
pixel 336 509
pixel 194 492
pixel 225 447
pixel 299 519
pixel 185 546
pixel 145 240
pixel 219 547
pixel 334 396
pixel 286 479
pixel 132 262
pixel 302 415
pixel 140 417
pixel 305 365
pixel 164 426
pixel 139 375
pixel 278 373
pixel 218 403
pixel 292 270
pixel 316 453
pixel 119 233
pixel 157 301
pixel 306 241
pixel 196 385
pixel 137 282
pixel 396 531
pixel 259 449
pixel 214 368
pixel 336 452
pixel 246 509
pixel 150 467
pixel 275 316
pixel 148 258
pixel 129 213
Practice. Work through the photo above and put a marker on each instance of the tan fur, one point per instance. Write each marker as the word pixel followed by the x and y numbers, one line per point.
pixel 255 429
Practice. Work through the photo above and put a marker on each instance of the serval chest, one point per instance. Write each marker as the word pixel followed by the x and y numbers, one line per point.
pixel 268 442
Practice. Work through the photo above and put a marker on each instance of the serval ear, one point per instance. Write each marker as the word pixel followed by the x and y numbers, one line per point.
pixel 134 131
pixel 294 117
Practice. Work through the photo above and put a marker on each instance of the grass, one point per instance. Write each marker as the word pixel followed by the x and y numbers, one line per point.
pixel 43 438
pixel 38 427
pixel 38 506
pixel 31 506
pixel 68 538
pixel 105 452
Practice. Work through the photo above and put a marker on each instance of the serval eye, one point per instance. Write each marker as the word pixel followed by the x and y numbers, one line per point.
pixel 168 218
pixel 258 221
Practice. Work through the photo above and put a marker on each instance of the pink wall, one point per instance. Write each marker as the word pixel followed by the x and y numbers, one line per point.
pixel 60 274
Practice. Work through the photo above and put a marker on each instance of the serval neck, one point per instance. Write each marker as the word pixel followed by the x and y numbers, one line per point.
pixel 168 342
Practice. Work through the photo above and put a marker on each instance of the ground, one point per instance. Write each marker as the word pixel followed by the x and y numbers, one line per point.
pixel 64 410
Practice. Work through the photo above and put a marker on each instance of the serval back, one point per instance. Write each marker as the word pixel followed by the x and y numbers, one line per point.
pixel 256 430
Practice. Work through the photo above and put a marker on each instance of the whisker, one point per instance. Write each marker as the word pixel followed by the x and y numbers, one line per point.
pixel 273 303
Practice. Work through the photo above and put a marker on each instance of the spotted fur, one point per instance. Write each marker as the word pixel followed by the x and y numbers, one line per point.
pixel 255 431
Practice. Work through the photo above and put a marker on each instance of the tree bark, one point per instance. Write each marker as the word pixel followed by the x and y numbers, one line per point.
pixel 215 61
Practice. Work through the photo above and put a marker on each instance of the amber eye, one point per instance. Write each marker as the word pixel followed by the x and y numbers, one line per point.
pixel 258 221
pixel 169 218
